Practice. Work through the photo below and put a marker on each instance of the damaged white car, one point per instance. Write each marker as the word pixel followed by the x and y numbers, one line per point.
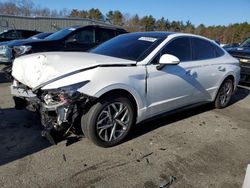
pixel 124 81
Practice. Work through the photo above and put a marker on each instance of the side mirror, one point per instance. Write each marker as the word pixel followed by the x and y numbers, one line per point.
pixel 167 59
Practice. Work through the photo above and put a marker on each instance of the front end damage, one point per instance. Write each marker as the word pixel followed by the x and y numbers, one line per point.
pixel 59 109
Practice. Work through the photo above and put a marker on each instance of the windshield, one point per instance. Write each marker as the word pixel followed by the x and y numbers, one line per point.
pixel 40 36
pixel 60 34
pixel 245 43
pixel 128 46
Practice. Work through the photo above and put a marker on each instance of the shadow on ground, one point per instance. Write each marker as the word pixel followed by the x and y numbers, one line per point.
pixel 165 119
pixel 20 131
pixel 3 78
pixel 19 135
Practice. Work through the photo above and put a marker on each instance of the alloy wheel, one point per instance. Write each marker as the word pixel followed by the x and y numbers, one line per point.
pixel 226 93
pixel 113 121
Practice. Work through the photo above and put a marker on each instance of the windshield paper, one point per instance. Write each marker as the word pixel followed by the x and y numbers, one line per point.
pixel 148 39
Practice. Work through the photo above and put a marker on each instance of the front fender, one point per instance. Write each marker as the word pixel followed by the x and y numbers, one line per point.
pixel 140 102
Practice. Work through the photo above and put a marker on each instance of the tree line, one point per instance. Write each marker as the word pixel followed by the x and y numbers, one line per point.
pixel 233 33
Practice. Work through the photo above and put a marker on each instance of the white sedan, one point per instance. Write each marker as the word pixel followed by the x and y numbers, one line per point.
pixel 124 81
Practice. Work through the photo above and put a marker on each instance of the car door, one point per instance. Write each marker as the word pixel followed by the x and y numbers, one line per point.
pixel 207 67
pixel 81 40
pixel 171 87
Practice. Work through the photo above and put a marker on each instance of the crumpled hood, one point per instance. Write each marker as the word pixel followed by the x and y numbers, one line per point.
pixel 36 69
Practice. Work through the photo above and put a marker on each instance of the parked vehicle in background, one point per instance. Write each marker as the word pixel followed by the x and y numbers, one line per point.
pixel 15 34
pixel 242 52
pixel 70 39
pixel 6 55
pixel 34 37
pixel 123 81
pixel 229 46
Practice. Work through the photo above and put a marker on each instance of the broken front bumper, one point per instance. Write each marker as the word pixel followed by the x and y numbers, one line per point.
pixel 52 115
pixel 24 98
pixel 56 116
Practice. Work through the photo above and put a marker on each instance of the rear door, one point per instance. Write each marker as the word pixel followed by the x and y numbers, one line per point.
pixel 207 67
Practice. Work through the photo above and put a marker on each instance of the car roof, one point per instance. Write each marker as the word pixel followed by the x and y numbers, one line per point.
pixel 98 26
pixel 154 34
pixel 6 30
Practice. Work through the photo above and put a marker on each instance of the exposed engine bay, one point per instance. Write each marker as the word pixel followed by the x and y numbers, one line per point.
pixel 59 109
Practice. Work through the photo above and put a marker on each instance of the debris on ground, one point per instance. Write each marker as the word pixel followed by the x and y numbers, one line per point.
pixel 167 184
pixel 163 149
pixel 64 157
pixel 144 156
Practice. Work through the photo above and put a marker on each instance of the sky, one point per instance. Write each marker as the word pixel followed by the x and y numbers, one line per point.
pixel 208 12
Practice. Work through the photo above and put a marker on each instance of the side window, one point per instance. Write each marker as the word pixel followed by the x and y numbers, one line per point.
pixel 85 36
pixel 27 34
pixel 180 48
pixel 103 35
pixel 202 49
pixel 219 51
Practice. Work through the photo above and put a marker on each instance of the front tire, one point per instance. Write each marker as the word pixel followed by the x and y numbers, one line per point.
pixel 108 122
pixel 224 94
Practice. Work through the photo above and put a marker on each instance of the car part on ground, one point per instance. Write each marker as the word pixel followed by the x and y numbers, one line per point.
pixel 125 80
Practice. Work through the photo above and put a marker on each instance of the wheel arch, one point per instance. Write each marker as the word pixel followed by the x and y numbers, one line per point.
pixel 228 76
pixel 126 91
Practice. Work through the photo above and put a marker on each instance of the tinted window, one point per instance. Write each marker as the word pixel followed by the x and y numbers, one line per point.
pixel 103 35
pixel 203 49
pixel 27 34
pixel 219 52
pixel 128 46
pixel 83 36
pixel 180 48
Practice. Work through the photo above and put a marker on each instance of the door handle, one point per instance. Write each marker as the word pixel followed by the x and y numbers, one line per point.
pixel 188 72
pixel 223 69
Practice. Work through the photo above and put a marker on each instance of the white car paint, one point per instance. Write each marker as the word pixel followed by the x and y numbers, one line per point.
pixel 38 68
pixel 172 87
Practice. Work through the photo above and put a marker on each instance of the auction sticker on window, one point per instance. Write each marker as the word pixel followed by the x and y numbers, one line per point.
pixel 148 39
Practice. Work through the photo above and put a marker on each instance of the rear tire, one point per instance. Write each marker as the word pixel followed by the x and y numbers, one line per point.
pixel 224 94
pixel 109 121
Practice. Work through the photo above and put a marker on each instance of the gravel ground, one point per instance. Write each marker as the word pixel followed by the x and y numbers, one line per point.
pixel 200 147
